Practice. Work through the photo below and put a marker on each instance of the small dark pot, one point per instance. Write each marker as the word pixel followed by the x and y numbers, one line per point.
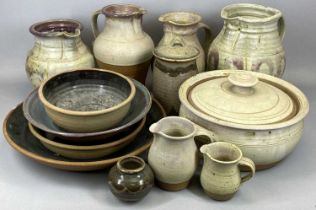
pixel 130 179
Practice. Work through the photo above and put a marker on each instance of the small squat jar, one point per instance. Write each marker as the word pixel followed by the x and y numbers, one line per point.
pixel 131 179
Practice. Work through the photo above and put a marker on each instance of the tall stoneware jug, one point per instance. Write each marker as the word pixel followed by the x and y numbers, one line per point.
pixel 250 39
pixel 122 46
pixel 57 48
pixel 173 153
pixel 185 25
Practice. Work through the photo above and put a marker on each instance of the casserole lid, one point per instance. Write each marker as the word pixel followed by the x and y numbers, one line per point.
pixel 240 97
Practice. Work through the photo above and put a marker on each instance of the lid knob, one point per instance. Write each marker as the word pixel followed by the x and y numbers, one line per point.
pixel 245 80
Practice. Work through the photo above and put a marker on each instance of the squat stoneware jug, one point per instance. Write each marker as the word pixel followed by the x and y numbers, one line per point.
pixel 172 66
pixel 185 25
pixel 251 39
pixel 122 46
pixel 130 179
pixel 57 48
pixel 220 176
pixel 173 153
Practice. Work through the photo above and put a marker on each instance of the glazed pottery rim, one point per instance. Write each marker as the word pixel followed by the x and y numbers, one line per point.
pixel 198 18
pixel 87 147
pixel 139 11
pixel 221 161
pixel 176 60
pixel 61 164
pixel 33 30
pixel 296 94
pixel 225 13
pixel 116 107
pixel 131 158
pixel 141 115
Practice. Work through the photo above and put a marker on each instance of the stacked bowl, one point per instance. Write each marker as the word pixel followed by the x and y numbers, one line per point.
pixel 87 113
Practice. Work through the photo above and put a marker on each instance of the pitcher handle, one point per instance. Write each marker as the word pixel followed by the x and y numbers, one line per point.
pixel 281 26
pixel 94 23
pixel 249 164
pixel 200 131
pixel 208 35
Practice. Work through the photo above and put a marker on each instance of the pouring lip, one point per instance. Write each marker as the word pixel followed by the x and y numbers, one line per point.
pixel 197 17
pixel 225 14
pixel 76 25
pixel 126 10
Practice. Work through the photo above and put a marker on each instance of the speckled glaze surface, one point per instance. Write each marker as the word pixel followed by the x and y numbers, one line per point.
pixel 265 143
pixel 173 153
pixel 172 66
pixel 220 176
pixel 87 100
pixel 17 134
pixel 57 48
pixel 122 45
pixel 251 39
pixel 185 25
pixel 35 113
pixel 130 179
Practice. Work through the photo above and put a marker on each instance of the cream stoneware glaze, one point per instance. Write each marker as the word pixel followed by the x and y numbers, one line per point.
pixel 57 48
pixel 184 25
pixel 220 176
pixel 251 39
pixel 172 66
pixel 261 114
pixel 173 153
pixel 122 46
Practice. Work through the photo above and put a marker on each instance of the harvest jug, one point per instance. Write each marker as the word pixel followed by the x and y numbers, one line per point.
pixel 185 25
pixel 173 153
pixel 58 47
pixel 220 176
pixel 122 46
pixel 251 39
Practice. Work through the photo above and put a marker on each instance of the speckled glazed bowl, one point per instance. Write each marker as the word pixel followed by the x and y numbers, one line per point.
pixel 87 100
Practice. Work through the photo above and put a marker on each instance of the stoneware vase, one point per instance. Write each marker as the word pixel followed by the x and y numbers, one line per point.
pixel 173 153
pixel 220 176
pixel 122 46
pixel 57 48
pixel 251 39
pixel 130 179
pixel 185 25
pixel 172 65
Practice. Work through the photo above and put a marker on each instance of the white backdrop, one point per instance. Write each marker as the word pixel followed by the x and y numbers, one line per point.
pixel 25 184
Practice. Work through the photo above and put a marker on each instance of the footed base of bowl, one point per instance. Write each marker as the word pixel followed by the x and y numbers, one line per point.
pixel 260 167
pixel 172 187
pixel 219 197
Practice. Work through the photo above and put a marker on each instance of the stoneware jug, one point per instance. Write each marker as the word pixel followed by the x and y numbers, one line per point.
pixel 185 25
pixel 130 179
pixel 122 46
pixel 173 65
pixel 251 39
pixel 220 176
pixel 173 153
pixel 57 48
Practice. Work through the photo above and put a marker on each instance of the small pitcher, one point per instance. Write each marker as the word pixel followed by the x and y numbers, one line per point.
pixel 185 25
pixel 173 153
pixel 220 176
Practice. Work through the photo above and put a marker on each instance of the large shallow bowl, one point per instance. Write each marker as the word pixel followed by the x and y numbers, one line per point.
pixel 35 113
pixel 260 113
pixel 83 152
pixel 18 135
pixel 87 100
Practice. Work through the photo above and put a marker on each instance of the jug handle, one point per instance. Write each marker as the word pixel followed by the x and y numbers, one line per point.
pixel 94 23
pixel 248 163
pixel 200 131
pixel 208 35
pixel 281 26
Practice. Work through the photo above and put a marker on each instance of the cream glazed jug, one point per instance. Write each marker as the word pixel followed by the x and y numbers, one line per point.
pixel 185 25
pixel 251 39
pixel 58 48
pixel 122 46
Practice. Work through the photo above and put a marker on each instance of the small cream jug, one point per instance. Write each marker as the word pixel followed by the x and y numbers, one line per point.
pixel 251 39
pixel 122 46
pixel 173 153
pixel 220 176
pixel 185 25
